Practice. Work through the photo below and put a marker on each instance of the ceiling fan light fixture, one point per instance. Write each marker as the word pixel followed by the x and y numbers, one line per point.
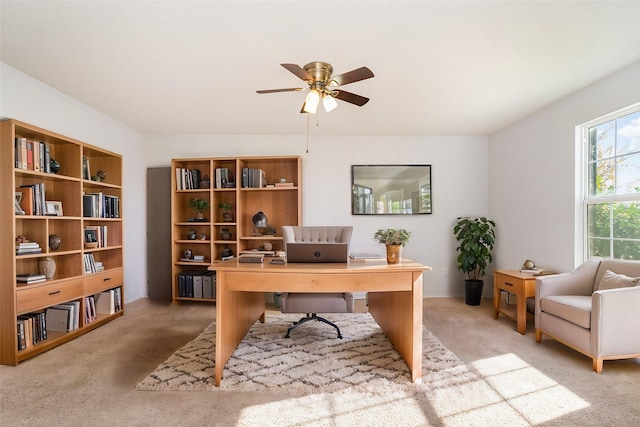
pixel 329 102
pixel 311 102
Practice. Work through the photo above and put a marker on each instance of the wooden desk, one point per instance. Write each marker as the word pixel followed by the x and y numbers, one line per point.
pixel 394 297
pixel 523 285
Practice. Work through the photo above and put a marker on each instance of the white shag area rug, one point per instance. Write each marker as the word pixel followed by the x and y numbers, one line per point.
pixel 312 361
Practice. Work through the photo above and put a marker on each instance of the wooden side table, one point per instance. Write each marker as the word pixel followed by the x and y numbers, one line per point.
pixel 523 285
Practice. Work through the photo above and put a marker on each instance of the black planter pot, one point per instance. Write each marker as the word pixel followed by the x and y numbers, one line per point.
pixel 473 291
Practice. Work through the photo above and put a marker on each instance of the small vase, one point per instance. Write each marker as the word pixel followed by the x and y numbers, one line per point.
pixel 227 216
pixel 54 166
pixel 54 242
pixel 47 266
pixel 394 252
pixel 187 253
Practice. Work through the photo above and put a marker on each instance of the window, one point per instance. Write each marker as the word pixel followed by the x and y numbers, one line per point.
pixel 611 190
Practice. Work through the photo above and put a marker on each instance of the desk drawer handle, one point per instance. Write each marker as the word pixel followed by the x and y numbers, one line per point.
pixel 54 293
pixel 508 284
pixel 106 279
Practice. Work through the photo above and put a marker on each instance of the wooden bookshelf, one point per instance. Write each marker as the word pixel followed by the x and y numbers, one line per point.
pixel 282 205
pixel 70 283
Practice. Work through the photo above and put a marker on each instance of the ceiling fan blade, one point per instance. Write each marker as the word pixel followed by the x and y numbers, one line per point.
pixel 356 75
pixel 298 71
pixel 290 89
pixel 352 98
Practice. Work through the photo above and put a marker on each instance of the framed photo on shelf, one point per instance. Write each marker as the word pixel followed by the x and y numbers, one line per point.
pixel 54 208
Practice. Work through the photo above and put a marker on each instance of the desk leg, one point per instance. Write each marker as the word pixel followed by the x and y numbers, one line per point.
pixel 521 313
pixel 236 312
pixel 496 302
pixel 399 314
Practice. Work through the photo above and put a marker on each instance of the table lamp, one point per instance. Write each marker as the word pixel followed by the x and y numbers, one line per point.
pixel 259 221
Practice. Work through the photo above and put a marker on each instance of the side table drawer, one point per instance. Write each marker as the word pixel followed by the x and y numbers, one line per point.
pixel 509 283
pixel 45 296
pixel 102 281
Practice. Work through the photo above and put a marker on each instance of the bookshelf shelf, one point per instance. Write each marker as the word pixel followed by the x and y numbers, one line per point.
pixel 229 177
pixel 25 166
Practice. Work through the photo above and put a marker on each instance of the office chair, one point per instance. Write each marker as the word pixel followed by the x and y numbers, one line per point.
pixel 313 303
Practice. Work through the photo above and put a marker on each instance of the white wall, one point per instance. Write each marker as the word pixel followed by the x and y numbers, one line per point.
pixel 28 100
pixel 532 176
pixel 459 176
pixel 529 168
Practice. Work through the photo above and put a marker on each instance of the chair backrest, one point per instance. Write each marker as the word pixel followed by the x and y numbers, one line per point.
pixel 316 234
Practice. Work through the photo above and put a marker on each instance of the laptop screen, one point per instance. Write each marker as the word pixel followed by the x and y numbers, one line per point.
pixel 317 252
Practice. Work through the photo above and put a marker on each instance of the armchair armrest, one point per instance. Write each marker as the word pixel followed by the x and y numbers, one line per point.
pixel 614 322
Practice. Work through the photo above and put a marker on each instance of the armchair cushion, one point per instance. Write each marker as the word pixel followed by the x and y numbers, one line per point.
pixel 573 308
pixel 611 280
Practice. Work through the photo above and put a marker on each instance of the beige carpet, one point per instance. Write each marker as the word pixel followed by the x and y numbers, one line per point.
pixel 313 360
pixel 91 380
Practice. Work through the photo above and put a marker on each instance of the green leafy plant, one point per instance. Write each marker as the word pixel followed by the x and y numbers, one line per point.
pixel 476 237
pixel 225 206
pixel 392 236
pixel 198 205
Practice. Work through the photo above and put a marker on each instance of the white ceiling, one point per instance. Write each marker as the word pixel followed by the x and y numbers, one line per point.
pixel 441 67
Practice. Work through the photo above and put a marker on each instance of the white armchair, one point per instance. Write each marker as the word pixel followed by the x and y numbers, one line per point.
pixel 312 303
pixel 593 310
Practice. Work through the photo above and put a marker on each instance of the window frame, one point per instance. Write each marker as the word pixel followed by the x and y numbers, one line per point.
pixel 582 187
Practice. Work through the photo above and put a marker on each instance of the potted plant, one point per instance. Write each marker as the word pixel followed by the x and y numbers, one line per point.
pixel 227 215
pixel 199 206
pixel 476 237
pixel 394 240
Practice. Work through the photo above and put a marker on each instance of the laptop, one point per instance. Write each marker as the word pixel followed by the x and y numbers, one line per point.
pixel 317 252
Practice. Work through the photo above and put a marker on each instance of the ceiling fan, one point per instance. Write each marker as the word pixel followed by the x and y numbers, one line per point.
pixel 323 86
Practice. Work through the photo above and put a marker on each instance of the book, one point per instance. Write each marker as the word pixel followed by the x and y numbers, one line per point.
pixel 29 278
pixel 58 319
pixel 22 344
pixel 283 184
pixel 86 170
pixel 251 258
pixel 117 298
pixel 70 309
pixel 209 285
pixel 27 251
pixel 105 302
pixel 257 252
pixel 364 256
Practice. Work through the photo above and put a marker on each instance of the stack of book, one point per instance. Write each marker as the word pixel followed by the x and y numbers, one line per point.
pixel 32 200
pixel 100 205
pixel 25 248
pixel 187 179
pixel 64 317
pixel 253 178
pixel 32 329
pixel 108 302
pixel 29 278
pixel 89 263
pixel 224 178
pixel 32 155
